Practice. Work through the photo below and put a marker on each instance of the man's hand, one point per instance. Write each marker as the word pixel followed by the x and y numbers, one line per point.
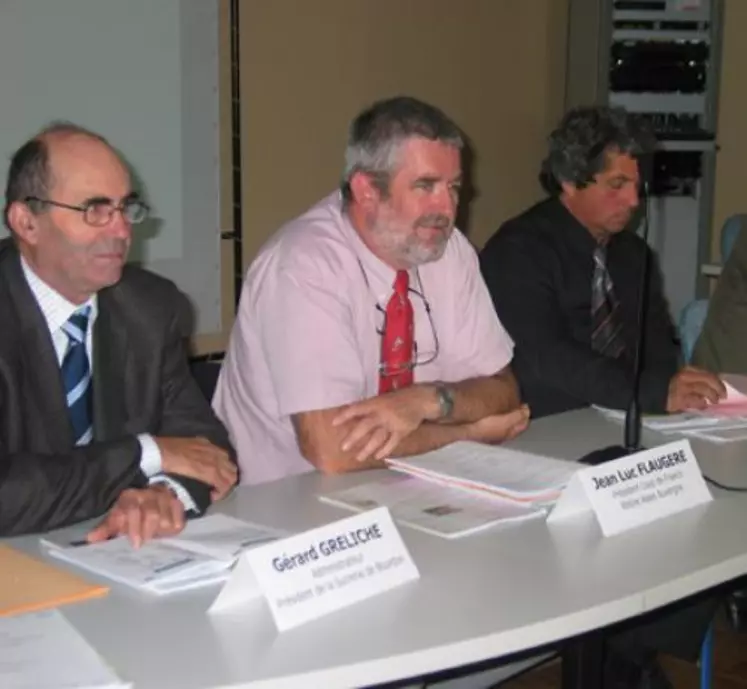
pixel 141 514
pixel 198 458
pixel 694 388
pixel 383 421
pixel 499 427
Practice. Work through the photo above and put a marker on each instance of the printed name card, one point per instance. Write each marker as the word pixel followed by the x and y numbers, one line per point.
pixel 635 490
pixel 314 573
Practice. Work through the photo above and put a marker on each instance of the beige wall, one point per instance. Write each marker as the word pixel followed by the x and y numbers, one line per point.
pixel 307 66
pixel 731 160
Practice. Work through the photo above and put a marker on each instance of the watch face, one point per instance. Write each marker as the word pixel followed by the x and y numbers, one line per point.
pixel 446 400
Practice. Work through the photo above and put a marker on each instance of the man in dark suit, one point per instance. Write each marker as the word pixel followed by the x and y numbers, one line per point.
pixel 98 411
pixel 564 277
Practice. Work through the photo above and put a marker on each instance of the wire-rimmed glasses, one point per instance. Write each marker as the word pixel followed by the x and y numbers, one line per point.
pixel 98 212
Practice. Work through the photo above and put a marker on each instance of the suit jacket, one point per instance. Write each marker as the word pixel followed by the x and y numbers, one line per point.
pixel 538 269
pixel 722 345
pixel 141 384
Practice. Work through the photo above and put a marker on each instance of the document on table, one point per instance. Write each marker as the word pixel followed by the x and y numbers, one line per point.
pixel 723 422
pixel 664 423
pixel 523 477
pixel 28 583
pixel 432 507
pixel 223 537
pixel 42 650
pixel 201 555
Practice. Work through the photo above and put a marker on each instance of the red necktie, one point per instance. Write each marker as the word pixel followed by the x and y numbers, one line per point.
pixel 397 340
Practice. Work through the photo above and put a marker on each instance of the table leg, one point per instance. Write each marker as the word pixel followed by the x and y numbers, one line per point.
pixel 583 661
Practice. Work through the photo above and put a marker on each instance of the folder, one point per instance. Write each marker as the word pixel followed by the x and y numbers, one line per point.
pixel 28 584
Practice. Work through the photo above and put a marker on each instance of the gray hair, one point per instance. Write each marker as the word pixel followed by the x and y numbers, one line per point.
pixel 579 146
pixel 377 134
pixel 30 174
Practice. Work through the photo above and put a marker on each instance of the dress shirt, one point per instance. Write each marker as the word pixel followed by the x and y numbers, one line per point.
pixel 307 337
pixel 538 269
pixel 56 311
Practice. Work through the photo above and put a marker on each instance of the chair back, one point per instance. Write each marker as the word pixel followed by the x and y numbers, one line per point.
pixel 206 375
pixel 691 322
pixel 729 233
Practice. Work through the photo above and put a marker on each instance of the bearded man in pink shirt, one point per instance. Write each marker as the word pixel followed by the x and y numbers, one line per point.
pixel 365 329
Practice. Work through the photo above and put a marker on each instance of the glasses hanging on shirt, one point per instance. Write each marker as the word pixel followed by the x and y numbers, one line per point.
pixel 419 358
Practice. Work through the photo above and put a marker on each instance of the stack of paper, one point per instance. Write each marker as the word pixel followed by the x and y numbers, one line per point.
pixel 42 650
pixel 202 554
pixel 520 477
pixel 462 488
pixel 436 509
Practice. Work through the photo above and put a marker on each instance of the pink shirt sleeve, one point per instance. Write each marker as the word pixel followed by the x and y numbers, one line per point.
pixel 308 338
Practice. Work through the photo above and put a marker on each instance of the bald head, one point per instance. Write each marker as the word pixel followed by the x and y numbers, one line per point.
pixel 31 173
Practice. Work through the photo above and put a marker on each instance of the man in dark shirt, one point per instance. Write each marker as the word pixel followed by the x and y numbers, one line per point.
pixel 565 280
pixel 575 347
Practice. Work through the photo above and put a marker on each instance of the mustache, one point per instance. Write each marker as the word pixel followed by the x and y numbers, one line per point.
pixel 437 220
pixel 111 246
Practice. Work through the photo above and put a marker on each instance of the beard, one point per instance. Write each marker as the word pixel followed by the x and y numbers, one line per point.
pixel 403 244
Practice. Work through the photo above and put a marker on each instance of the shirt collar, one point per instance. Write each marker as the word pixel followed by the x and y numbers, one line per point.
pixel 54 307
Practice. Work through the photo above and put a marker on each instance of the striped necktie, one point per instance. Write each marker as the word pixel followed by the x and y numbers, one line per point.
pixel 76 376
pixel 606 335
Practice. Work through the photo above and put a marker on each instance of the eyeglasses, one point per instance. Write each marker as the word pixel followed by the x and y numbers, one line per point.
pixel 99 212
pixel 418 359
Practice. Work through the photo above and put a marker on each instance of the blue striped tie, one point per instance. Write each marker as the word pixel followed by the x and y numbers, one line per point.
pixel 76 376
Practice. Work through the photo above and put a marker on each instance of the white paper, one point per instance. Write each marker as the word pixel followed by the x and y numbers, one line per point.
pixel 511 474
pixel 664 422
pixel 201 555
pixel 432 507
pixel 721 434
pixel 155 566
pixel 222 537
pixel 42 650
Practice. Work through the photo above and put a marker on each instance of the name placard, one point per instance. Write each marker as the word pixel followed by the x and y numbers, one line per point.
pixel 635 490
pixel 314 573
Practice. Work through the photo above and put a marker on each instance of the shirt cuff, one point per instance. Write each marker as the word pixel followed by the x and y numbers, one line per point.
pixel 181 492
pixel 151 462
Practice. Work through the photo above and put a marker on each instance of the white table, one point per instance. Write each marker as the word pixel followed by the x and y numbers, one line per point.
pixel 711 270
pixel 483 597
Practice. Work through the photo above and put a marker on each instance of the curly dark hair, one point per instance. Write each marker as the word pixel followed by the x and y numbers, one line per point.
pixel 581 142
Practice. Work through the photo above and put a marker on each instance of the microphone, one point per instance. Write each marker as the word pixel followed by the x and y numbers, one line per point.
pixel 633 421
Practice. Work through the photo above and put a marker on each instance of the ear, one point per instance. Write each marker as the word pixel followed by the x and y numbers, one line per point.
pixel 569 190
pixel 365 194
pixel 23 222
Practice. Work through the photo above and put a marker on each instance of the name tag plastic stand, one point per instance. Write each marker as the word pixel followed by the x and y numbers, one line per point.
pixel 314 573
pixel 635 490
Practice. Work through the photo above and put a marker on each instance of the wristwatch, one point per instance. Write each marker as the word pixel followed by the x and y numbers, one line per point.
pixel 445 400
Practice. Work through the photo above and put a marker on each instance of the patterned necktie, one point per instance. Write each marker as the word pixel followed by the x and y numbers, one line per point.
pixel 397 340
pixel 76 376
pixel 606 335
